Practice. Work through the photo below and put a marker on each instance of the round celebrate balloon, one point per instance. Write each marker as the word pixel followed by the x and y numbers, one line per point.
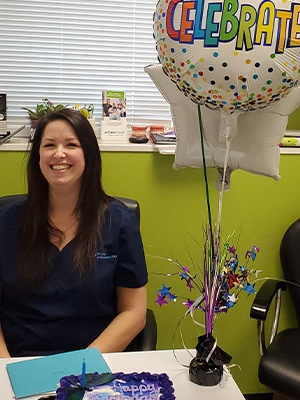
pixel 231 54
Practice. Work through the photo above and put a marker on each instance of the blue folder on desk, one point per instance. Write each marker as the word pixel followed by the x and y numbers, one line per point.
pixel 42 375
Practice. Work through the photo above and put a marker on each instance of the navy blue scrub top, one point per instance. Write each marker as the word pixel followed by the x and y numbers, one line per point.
pixel 67 312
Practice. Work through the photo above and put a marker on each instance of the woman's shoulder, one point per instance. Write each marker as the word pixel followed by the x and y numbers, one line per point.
pixel 10 216
pixel 12 210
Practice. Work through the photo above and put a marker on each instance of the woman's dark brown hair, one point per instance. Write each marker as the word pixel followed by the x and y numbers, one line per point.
pixel 91 206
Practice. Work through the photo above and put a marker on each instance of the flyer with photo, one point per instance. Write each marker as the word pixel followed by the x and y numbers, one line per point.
pixel 113 105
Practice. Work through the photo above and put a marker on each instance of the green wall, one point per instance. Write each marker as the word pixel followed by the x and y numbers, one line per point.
pixel 294 120
pixel 173 212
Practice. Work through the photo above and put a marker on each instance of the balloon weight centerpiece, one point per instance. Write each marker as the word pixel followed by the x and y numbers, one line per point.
pixel 216 288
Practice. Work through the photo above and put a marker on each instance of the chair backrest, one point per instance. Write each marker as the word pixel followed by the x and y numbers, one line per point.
pixel 147 338
pixel 290 262
pixel 131 204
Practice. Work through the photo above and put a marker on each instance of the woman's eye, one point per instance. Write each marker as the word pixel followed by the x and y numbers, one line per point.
pixel 73 145
pixel 48 145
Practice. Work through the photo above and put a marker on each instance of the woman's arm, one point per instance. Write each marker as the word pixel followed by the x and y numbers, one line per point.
pixel 3 349
pixel 130 320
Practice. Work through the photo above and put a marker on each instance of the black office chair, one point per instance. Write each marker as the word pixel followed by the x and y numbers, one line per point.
pixel 279 366
pixel 147 338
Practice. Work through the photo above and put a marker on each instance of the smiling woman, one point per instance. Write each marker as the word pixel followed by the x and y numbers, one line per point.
pixel 62 164
pixel 58 293
pixel 61 157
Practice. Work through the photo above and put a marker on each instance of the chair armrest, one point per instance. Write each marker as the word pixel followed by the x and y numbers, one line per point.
pixel 263 299
pixel 146 340
pixel 260 307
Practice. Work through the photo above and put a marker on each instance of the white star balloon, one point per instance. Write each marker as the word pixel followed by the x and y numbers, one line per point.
pixel 253 140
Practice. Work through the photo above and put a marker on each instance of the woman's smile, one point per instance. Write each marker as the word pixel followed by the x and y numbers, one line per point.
pixel 60 167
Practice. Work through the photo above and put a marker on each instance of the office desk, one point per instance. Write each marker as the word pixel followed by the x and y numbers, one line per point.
pixel 155 362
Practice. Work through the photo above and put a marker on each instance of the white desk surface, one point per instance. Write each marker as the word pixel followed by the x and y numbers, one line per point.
pixel 152 361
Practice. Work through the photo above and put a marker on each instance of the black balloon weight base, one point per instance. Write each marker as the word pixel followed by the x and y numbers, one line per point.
pixel 206 369
pixel 204 375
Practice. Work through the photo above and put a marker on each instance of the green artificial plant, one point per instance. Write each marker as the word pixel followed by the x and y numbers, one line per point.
pixel 42 109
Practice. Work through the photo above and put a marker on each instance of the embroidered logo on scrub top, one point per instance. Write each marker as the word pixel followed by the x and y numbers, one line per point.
pixel 105 256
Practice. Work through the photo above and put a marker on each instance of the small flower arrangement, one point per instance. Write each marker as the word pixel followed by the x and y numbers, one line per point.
pixel 220 282
pixel 87 111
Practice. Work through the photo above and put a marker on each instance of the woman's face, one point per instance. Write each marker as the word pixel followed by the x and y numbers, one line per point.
pixel 61 156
